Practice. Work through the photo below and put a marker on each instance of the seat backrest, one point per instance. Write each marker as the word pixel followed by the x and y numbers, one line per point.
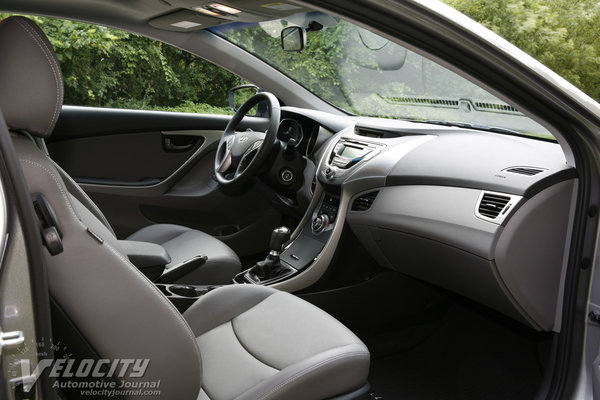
pixel 116 308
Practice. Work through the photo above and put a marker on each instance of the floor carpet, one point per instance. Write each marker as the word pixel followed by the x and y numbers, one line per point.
pixel 468 354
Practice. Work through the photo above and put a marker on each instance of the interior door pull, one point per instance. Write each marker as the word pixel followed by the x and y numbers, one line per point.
pixel 179 144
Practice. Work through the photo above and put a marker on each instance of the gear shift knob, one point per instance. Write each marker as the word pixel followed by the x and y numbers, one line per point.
pixel 278 238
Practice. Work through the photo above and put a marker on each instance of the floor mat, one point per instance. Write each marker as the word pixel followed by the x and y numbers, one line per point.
pixel 470 355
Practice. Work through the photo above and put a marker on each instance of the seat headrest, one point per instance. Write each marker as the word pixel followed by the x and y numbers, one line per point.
pixel 31 85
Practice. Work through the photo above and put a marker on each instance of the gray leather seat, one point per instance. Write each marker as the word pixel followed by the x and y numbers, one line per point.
pixel 181 243
pixel 260 343
pixel 237 342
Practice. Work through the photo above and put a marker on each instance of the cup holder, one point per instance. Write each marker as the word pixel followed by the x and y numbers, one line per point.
pixel 183 296
pixel 164 290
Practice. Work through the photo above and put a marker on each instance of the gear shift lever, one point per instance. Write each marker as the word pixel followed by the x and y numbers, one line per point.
pixel 270 267
pixel 278 238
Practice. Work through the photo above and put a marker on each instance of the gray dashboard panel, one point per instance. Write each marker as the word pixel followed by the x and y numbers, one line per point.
pixel 442 213
pixel 432 233
pixel 477 160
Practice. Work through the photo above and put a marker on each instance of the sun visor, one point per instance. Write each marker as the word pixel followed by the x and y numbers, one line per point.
pixel 185 21
pixel 194 15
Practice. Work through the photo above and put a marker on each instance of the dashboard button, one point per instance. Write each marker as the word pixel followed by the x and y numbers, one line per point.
pixel 330 173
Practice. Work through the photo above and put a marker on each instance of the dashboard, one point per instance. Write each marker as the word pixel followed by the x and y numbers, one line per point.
pixel 485 215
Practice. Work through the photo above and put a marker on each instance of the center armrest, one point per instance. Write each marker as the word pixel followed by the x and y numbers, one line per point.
pixel 150 258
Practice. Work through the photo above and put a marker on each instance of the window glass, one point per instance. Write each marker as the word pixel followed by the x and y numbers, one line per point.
pixel 104 67
pixel 365 74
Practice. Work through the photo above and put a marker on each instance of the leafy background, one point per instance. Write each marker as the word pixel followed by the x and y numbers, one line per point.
pixel 562 34
pixel 104 67
pixel 111 68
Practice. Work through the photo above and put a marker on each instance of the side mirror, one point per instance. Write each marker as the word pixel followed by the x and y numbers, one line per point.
pixel 239 94
pixel 293 38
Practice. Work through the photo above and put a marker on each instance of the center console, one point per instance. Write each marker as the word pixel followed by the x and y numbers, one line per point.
pixel 292 258
pixel 301 252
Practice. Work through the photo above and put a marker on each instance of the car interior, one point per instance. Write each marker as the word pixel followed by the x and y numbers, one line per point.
pixel 296 251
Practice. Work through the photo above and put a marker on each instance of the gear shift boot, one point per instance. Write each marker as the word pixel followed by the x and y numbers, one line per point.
pixel 271 266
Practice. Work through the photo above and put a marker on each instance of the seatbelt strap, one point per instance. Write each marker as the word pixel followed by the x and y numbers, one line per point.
pixel 49 226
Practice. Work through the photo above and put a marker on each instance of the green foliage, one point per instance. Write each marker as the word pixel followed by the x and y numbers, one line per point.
pixel 187 106
pixel 562 34
pixel 105 67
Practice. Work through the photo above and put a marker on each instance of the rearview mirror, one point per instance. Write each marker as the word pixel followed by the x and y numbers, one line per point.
pixel 293 38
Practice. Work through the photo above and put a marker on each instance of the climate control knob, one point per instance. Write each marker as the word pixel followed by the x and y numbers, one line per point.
pixel 320 223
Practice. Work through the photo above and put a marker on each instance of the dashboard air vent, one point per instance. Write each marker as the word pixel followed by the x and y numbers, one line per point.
pixel 491 205
pixel 529 171
pixel 364 201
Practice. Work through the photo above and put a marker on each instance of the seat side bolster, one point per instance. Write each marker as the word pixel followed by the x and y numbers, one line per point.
pixel 75 190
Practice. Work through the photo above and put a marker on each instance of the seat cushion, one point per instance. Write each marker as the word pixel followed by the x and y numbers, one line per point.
pixel 261 343
pixel 184 243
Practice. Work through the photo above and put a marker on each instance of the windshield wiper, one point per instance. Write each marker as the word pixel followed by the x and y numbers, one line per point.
pixel 481 127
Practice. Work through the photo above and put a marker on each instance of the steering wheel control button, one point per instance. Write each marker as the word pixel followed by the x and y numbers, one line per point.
pixel 319 224
pixel 287 175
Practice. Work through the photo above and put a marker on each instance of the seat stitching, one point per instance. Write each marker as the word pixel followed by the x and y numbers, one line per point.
pixel 55 179
pixel 57 76
pixel 80 191
pixel 299 374
pixel 235 334
pixel 201 332
pixel 170 305
pixel 245 348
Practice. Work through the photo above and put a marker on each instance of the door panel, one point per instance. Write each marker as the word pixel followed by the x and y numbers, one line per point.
pixel 120 159
pixel 134 159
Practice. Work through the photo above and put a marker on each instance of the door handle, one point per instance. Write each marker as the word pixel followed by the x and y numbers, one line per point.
pixel 179 143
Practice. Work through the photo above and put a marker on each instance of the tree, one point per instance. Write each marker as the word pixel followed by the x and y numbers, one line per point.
pixel 111 68
pixel 562 34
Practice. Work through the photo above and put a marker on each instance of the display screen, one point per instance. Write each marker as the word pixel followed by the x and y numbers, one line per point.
pixel 351 152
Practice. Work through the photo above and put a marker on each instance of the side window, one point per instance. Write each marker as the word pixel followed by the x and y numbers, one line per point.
pixel 104 67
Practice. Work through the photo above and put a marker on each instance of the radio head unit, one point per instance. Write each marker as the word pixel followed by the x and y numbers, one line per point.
pixel 348 152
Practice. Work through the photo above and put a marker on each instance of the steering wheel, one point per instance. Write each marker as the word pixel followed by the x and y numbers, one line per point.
pixel 240 154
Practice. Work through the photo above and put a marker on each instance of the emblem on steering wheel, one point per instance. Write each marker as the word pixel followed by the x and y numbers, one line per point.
pixel 243 139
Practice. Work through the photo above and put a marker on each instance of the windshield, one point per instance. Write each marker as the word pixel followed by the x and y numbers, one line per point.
pixel 365 74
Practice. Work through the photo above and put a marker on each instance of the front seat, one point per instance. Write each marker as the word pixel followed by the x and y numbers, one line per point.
pixel 236 342
pixel 182 243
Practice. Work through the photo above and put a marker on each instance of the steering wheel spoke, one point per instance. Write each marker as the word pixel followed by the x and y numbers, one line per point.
pixel 248 157
pixel 225 163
